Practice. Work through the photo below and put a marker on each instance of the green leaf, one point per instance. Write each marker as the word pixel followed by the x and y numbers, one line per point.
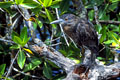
pixel 56 4
pixel 17 40
pixel 113 6
pixel 91 15
pixel 23 43
pixel 23 34
pixel 64 6
pixel 21 59
pixel 47 3
pixel 108 41
pixel 52 64
pixel 47 71
pixel 30 5
pixel 102 13
pixel 103 32
pixel 19 1
pixel 34 25
pixel 41 1
pixel 2 69
pixel 34 63
pixel 50 17
pixel 39 23
pixel 14 34
pixel 37 10
pixel 28 67
pixel 100 58
pixel 113 36
pixel 15 47
pixel 6 4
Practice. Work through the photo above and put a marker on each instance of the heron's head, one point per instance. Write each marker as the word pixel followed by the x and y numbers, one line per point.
pixel 66 20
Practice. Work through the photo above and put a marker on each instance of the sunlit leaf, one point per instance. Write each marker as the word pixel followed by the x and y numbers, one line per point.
pixel 30 5
pixel 2 69
pixel 47 3
pixel 21 59
pixel 39 23
pixel 23 34
pixel 34 25
pixel 19 1
pixel 108 41
pixel 14 34
pixel 91 15
pixel 15 47
pixel 17 40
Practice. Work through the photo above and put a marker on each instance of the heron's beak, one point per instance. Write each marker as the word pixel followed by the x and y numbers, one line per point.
pixel 57 21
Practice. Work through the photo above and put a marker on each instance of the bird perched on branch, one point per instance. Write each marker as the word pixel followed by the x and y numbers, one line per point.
pixel 80 30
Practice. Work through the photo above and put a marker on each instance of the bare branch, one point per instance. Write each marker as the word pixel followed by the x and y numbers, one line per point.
pixel 9 70
pixel 61 27
pixel 108 22
pixel 52 55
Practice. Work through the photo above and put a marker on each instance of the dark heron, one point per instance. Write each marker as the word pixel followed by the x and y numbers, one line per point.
pixel 83 34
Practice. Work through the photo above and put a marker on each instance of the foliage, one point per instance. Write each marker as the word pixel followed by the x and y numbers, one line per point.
pixel 42 13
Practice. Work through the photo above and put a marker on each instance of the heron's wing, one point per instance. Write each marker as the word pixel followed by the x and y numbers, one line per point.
pixel 87 35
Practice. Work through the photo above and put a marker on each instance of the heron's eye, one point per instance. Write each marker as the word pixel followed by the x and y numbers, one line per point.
pixel 66 19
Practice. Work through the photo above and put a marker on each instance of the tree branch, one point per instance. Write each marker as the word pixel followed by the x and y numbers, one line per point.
pixel 107 22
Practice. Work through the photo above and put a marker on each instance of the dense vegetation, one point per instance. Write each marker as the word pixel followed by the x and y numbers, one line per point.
pixel 21 21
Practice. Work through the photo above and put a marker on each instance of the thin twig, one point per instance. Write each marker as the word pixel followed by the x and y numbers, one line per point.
pixel 61 28
pixel 20 72
pixel 21 13
pixel 52 40
pixel 9 41
pixel 9 70
pixel 55 44
pixel 52 35
pixel 107 22
pixel 96 15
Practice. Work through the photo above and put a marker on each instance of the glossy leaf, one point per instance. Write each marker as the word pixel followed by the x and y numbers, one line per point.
pixel 39 23
pixel 28 67
pixel 47 3
pixel 15 47
pixel 21 59
pixel 34 25
pixel 17 40
pixel 91 15
pixel 19 1
pixel 6 4
pixel 108 41
pixel 30 5
pixel 23 34
pixel 103 32
pixel 56 2
pixel 50 17
pixel 35 62
pixel 14 34
pixel 47 71
pixel 2 69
